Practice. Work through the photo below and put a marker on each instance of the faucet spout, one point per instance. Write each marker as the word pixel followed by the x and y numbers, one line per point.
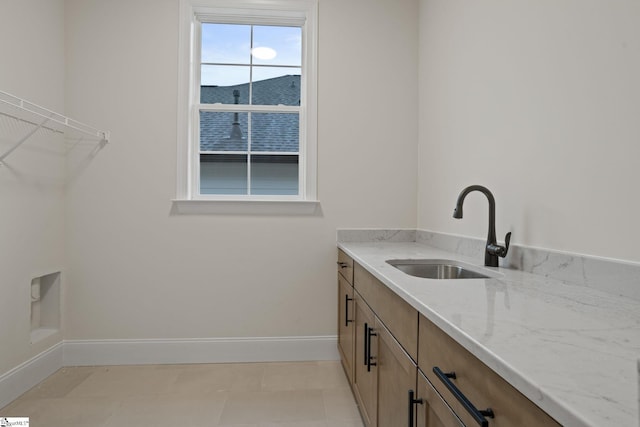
pixel 492 250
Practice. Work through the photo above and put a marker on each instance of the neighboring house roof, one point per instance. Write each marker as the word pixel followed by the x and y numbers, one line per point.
pixel 277 132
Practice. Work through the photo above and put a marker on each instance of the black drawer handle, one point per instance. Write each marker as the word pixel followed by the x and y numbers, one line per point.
pixel 412 402
pixel 478 415
pixel 366 343
pixel 342 264
pixel 346 309
pixel 370 334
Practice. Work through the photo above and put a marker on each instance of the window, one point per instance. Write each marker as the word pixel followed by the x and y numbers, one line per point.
pixel 247 116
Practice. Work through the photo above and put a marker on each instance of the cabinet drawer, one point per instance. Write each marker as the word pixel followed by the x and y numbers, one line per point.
pixel 481 385
pixel 397 315
pixel 345 266
pixel 432 410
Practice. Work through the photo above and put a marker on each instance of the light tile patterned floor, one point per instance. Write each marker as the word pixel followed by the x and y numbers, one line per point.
pixel 302 394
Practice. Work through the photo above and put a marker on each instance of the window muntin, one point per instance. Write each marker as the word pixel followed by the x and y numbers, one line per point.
pixel 257 70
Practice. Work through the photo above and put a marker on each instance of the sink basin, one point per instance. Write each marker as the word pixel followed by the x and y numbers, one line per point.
pixel 436 269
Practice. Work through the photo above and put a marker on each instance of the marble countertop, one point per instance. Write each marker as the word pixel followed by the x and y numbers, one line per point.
pixel 571 349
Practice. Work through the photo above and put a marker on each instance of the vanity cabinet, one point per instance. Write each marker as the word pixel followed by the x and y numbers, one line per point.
pixel 406 371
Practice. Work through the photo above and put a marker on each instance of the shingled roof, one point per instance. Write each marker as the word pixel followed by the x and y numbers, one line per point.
pixel 271 132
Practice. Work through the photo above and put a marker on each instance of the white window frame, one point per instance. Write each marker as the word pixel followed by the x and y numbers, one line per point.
pixel 302 13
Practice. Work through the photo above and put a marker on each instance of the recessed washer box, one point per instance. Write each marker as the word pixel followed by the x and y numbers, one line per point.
pixel 45 306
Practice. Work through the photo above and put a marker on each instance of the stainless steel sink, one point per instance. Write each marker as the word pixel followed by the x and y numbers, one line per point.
pixel 436 269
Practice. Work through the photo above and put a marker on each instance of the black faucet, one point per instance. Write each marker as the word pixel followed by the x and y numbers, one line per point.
pixel 492 250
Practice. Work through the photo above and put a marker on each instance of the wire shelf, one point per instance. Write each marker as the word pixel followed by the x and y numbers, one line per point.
pixel 43 118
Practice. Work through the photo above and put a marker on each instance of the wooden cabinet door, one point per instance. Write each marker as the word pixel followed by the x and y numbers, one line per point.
pixel 396 376
pixel 346 326
pixel 365 377
pixel 433 411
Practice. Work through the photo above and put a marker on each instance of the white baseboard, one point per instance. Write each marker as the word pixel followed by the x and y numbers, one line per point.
pixel 21 378
pixel 178 351
pixel 210 350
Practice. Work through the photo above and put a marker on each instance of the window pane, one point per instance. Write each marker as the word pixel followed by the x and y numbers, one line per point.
pixel 275 175
pixel 226 43
pixel 223 131
pixel 273 86
pixel 275 132
pixel 277 45
pixel 224 94
pixel 225 76
pixel 223 174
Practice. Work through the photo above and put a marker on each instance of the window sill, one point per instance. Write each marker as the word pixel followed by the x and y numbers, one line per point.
pixel 245 207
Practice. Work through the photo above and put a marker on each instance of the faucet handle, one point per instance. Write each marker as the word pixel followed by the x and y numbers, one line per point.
pixel 501 251
pixel 507 240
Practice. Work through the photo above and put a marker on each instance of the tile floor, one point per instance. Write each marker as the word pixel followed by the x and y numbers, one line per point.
pixel 304 394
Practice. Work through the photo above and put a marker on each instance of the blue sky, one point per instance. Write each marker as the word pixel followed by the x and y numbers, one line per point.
pixel 231 44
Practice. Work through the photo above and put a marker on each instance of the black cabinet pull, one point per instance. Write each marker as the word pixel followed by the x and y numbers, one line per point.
pixel 370 334
pixel 346 309
pixel 412 402
pixel 366 344
pixel 478 415
pixel 342 264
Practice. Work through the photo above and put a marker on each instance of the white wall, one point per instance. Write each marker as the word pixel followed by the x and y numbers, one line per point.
pixel 136 271
pixel 540 102
pixel 32 180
